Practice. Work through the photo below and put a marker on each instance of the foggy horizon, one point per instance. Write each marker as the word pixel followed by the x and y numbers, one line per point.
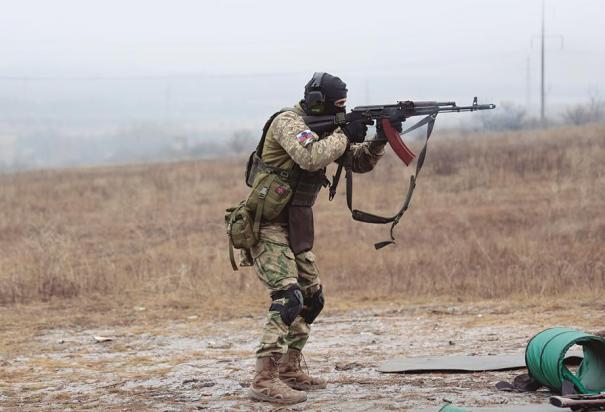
pixel 92 69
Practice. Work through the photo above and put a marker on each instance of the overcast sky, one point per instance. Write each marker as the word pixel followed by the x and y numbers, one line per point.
pixel 383 49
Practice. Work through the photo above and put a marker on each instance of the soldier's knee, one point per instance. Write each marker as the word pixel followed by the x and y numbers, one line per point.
pixel 314 306
pixel 288 302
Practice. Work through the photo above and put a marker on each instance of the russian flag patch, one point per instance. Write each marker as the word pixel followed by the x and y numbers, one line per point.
pixel 305 137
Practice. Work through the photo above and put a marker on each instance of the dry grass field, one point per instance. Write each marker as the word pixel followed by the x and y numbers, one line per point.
pixel 493 216
pixel 505 230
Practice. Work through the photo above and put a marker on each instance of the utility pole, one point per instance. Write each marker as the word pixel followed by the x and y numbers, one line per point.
pixel 543 36
pixel 167 99
pixel 542 118
pixel 528 84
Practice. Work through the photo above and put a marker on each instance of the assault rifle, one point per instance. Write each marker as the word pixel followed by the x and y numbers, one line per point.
pixel 401 110
pixel 383 114
pixel 580 402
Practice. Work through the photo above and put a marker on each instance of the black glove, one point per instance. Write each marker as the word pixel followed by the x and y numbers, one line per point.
pixel 393 116
pixel 355 131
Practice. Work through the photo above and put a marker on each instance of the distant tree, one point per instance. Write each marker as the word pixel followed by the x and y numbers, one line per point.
pixel 241 141
pixel 507 116
pixel 591 111
pixel 577 115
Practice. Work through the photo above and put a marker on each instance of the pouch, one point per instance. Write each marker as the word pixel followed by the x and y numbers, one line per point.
pixel 240 227
pixel 272 191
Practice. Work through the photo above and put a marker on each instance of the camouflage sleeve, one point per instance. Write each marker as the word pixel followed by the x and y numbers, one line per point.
pixel 363 157
pixel 304 146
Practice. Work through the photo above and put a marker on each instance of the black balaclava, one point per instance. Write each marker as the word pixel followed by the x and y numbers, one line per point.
pixel 332 88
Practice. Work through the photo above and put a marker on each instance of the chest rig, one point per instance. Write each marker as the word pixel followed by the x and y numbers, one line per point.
pixel 297 215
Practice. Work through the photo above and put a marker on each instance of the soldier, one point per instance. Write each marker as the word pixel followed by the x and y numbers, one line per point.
pixel 282 258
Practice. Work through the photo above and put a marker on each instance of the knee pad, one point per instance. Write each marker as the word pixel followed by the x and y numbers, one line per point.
pixel 314 306
pixel 292 306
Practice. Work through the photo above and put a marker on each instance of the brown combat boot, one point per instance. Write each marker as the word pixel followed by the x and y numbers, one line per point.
pixel 292 374
pixel 267 387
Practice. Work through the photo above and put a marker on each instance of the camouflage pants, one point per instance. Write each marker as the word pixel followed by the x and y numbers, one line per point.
pixel 278 268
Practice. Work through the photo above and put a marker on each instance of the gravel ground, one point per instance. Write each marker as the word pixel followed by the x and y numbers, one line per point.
pixel 195 364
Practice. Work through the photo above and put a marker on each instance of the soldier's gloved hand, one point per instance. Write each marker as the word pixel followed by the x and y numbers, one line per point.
pixel 393 116
pixel 377 148
pixel 355 131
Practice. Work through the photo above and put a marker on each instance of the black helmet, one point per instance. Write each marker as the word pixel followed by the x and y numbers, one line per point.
pixel 321 92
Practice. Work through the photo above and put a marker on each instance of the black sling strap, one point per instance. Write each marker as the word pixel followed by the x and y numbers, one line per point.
pixel 255 160
pixel 335 180
pixel 372 218
pixel 261 143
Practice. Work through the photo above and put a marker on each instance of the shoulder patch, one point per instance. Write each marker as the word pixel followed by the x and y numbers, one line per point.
pixel 306 137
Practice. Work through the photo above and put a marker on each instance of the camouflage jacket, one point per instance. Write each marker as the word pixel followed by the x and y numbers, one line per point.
pixel 290 141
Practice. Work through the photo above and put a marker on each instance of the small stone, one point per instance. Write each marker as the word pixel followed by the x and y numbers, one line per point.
pixel 198 383
pixel 345 366
pixel 219 345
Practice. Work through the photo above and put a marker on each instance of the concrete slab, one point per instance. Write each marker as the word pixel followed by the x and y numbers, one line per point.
pixel 463 363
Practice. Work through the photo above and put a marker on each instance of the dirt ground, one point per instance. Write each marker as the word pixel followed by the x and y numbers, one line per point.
pixel 193 363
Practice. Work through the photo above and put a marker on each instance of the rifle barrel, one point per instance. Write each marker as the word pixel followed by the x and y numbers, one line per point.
pixel 427 107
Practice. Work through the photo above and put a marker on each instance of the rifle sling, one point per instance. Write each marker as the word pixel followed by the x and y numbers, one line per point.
pixel 335 180
pixel 261 143
pixel 231 255
pixel 262 195
pixel 366 217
